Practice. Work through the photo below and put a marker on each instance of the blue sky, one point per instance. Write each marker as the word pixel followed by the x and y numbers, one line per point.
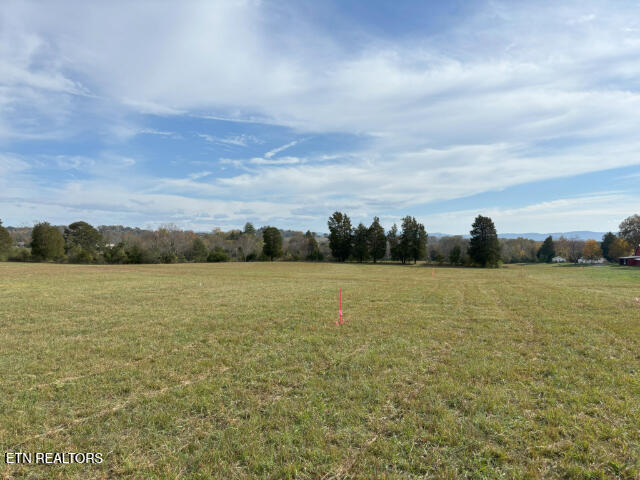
pixel 211 114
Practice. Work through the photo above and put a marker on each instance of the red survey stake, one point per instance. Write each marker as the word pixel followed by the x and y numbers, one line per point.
pixel 339 322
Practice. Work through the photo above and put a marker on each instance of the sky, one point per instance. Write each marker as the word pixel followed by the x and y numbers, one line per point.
pixel 214 113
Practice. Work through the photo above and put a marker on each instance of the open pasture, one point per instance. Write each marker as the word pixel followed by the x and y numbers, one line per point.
pixel 239 370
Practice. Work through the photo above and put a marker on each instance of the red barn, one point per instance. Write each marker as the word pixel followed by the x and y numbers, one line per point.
pixel 633 260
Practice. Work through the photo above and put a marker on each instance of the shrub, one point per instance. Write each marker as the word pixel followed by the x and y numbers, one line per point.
pixel 198 251
pixel 218 255
pixel 168 257
pixel 315 256
pixel 137 254
pixel 20 254
pixel 78 254
pixel 115 254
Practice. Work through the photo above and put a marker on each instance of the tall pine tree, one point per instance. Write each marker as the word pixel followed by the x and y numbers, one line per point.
pixel 376 240
pixel 605 245
pixel 360 248
pixel 413 240
pixel 484 248
pixel 340 236
pixel 272 242
pixel 547 250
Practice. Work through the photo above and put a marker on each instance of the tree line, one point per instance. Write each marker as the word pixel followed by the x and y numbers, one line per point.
pixel 80 242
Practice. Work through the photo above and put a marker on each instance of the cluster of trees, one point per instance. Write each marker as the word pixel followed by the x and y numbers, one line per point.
pixel 80 242
pixel 363 243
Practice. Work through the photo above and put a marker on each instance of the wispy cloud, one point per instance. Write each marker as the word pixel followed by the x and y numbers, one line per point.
pixel 276 161
pixel 277 150
pixel 237 140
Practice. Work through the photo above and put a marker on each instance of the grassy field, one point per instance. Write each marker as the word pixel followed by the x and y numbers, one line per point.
pixel 239 371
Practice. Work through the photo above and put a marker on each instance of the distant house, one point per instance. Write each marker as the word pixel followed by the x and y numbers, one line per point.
pixel 558 259
pixel 633 260
pixel 591 261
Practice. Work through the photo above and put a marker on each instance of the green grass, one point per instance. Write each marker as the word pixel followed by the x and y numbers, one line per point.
pixel 239 371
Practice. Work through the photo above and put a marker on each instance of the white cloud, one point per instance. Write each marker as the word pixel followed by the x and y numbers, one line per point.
pixel 605 210
pixel 471 110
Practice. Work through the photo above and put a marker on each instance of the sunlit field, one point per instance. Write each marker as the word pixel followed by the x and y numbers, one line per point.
pixel 240 371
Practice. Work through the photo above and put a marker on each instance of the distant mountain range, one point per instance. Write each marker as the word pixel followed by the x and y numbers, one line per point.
pixel 579 235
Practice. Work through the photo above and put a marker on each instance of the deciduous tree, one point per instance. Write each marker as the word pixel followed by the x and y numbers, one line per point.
pixel 630 230
pixel 619 248
pixel 591 250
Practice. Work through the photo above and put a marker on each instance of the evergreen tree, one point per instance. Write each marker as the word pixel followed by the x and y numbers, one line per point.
pixel 605 245
pixel 547 250
pixel 218 255
pixel 413 240
pixel 455 254
pixel 376 240
pixel 420 249
pixel 272 242
pixel 198 251
pixel 249 228
pixel 47 243
pixel 5 241
pixel 394 243
pixel 484 248
pixel 340 236
pixel 360 246
pixel 312 249
pixel 82 242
